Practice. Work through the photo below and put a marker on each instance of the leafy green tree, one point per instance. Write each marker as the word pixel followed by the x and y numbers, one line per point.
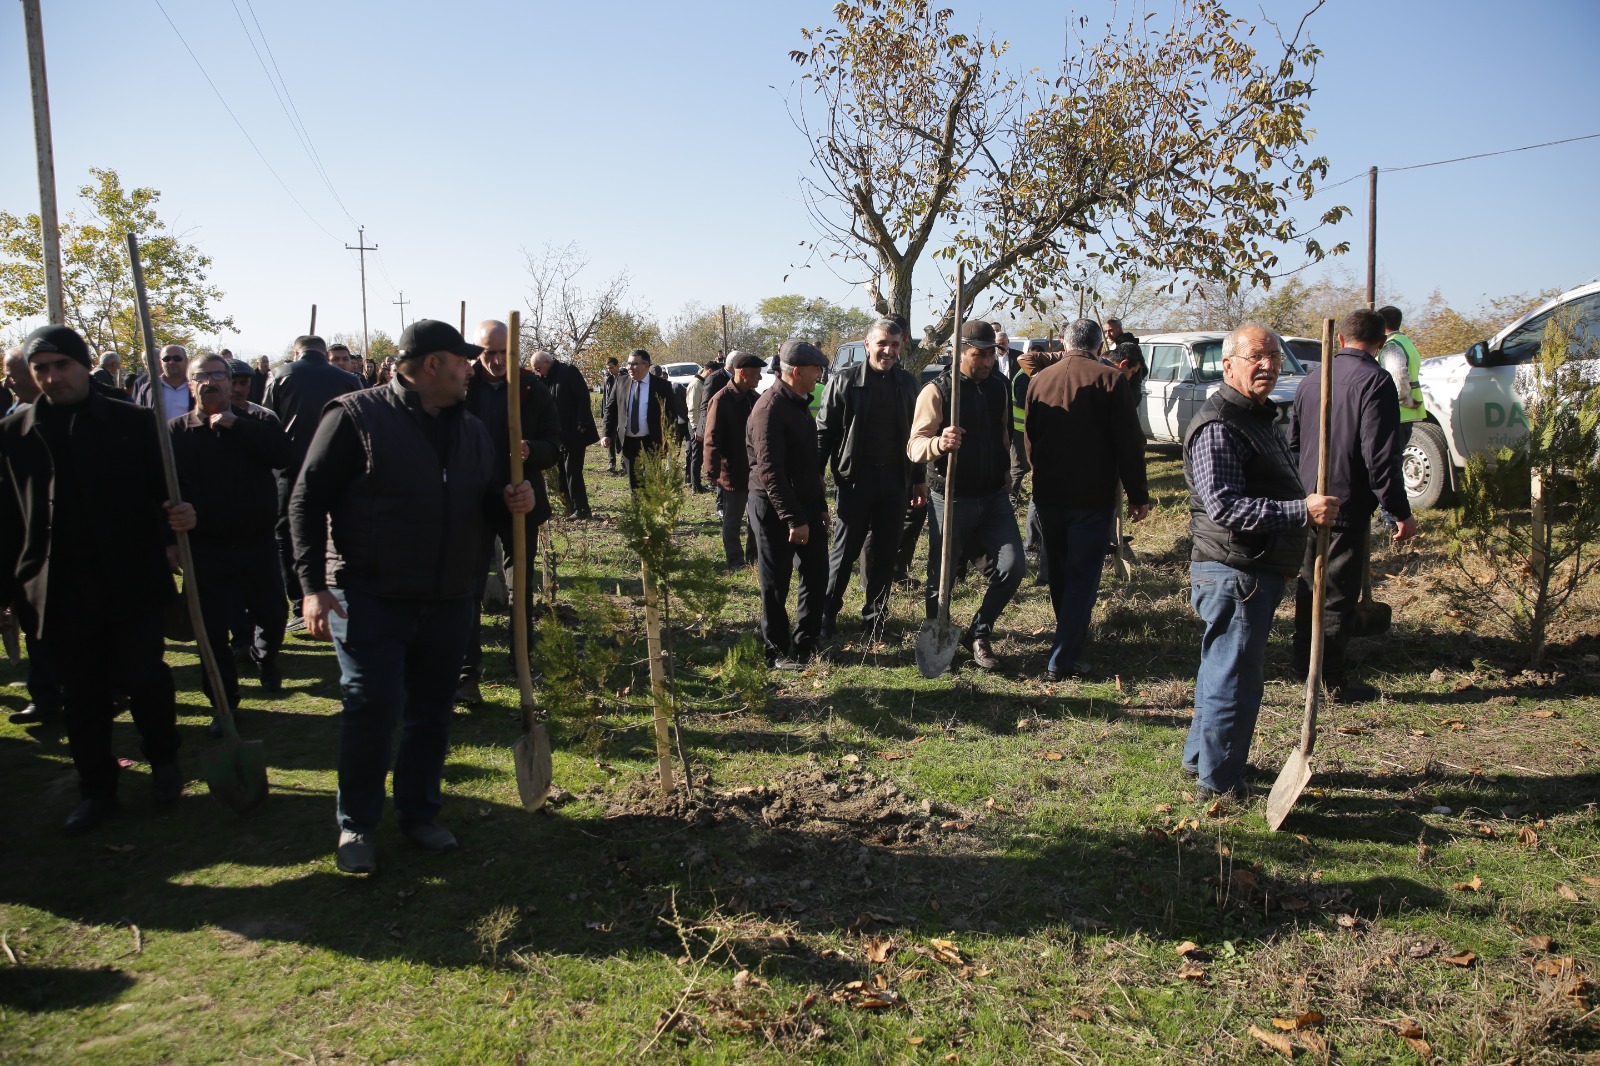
pixel 1526 534
pixel 824 324
pixel 695 334
pixel 1171 150
pixel 97 282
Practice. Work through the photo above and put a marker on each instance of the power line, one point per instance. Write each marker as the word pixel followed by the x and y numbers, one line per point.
pixel 223 101
pixel 295 121
pixel 1459 159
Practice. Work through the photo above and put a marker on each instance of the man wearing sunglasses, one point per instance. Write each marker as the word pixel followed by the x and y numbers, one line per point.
pixel 171 388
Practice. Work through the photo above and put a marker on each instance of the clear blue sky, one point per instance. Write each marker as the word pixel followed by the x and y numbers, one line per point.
pixel 655 136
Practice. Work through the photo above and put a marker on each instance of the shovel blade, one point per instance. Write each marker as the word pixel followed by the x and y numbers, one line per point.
pixel 535 773
pixel 936 646
pixel 1286 789
pixel 236 773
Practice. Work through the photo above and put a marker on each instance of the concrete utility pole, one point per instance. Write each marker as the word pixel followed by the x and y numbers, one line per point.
pixel 33 26
pixel 313 329
pixel 363 247
pixel 1372 238
pixel 401 303
pixel 725 348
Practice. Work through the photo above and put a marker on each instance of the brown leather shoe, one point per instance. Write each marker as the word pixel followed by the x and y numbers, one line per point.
pixel 984 655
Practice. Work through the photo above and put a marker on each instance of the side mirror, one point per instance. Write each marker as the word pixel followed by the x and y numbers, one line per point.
pixel 1478 354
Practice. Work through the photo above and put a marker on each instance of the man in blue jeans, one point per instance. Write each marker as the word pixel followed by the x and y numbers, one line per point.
pixel 1249 515
pixel 1083 437
pixel 404 478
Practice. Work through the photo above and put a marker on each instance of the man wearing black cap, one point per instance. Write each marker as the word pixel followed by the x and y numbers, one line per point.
pixel 982 520
pixel 639 404
pixel 1081 418
pixel 226 456
pixel 297 392
pixel 863 425
pixel 726 461
pixel 789 506
pixel 402 478
pixel 99 614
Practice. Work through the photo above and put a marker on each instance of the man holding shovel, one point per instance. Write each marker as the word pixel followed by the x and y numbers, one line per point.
pixel 98 613
pixel 404 475
pixel 1248 516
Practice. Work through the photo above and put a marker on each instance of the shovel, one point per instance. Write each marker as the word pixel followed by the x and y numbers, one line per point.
pixel 938 639
pixel 532 751
pixel 236 769
pixel 1296 770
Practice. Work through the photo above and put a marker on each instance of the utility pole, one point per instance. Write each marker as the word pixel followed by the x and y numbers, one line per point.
pixel 401 303
pixel 725 333
pixel 313 329
pixel 362 247
pixel 1372 238
pixel 34 28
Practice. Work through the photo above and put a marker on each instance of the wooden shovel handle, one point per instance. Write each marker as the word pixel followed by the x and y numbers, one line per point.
pixel 1319 576
pixel 519 525
pixel 946 542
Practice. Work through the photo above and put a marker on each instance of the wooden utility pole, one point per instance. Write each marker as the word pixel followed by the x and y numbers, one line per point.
pixel 34 28
pixel 313 329
pixel 725 348
pixel 401 303
pixel 362 247
pixel 1372 238
pixel 463 318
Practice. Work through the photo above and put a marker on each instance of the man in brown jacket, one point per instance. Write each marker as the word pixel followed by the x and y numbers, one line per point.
pixel 789 506
pixel 726 461
pixel 1083 437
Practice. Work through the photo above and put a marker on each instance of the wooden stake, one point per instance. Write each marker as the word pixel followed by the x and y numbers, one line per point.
pixel 658 676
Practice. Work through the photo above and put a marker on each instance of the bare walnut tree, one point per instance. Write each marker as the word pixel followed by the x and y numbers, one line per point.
pixel 564 318
pixel 1172 150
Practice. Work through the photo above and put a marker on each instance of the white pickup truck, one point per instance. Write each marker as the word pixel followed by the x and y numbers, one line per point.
pixel 1474 399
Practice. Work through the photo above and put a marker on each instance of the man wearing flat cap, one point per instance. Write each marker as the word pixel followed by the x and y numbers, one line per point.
pixel 97 614
pixel 726 460
pixel 401 476
pixel 982 520
pixel 788 506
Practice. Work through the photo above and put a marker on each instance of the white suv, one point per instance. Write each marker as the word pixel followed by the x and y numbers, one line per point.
pixel 1474 399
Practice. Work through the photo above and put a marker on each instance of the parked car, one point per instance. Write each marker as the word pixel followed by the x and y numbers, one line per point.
pixel 1185 369
pixel 1307 352
pixel 681 373
pixel 1475 398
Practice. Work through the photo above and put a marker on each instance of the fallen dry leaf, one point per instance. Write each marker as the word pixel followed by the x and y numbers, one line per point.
pixel 913 1040
pixel 957 826
pixel 1527 837
pixel 1216 810
pixel 1540 943
pixel 1186 947
pixel 1553 967
pixel 1305 1021
pixel 1273 1041
pixel 1293 903
pixel 1190 972
pixel 1464 959
pixel 1163 808
pixel 891 755
pixel 850 758
pixel 1468 886
pixel 1081 1014
pixel 1053 756
pixel 1352 730
pixel 879 949
pixel 1541 714
pixel 1420 1046
pixel 1408 1028
pixel 1588 880
pixel 1567 892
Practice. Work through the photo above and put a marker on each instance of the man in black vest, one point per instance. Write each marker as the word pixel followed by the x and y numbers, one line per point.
pixel 983 519
pixel 297 392
pixel 1248 514
pixel 97 613
pixel 863 424
pixel 403 478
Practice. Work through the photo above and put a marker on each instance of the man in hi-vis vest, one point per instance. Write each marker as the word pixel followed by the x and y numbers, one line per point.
pixel 1399 357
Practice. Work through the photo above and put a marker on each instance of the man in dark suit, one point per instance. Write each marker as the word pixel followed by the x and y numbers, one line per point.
pixel 636 411
pixel 297 392
pixel 99 613
pixel 571 395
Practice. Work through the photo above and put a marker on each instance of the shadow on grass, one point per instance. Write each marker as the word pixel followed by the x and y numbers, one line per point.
pixel 41 989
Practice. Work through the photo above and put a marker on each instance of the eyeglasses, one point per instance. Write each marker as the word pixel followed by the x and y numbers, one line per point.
pixel 212 375
pixel 174 359
pixel 1267 359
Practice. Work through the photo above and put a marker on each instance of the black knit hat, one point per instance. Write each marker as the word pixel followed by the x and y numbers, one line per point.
pixel 62 339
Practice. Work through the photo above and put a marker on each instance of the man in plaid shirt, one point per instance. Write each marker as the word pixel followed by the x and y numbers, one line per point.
pixel 1249 514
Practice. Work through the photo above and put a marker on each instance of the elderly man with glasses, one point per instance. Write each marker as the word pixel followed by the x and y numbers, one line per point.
pixel 169 392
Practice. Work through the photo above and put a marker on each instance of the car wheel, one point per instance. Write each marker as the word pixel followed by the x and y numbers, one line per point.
pixel 1425 466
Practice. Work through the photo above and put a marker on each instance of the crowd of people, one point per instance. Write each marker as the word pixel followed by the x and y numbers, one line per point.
pixel 364 503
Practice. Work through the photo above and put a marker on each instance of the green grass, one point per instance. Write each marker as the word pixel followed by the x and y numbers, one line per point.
pixel 1042 829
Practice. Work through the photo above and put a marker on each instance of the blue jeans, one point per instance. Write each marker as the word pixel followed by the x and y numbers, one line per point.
pixel 1237 608
pixel 399 660
pixel 1074 541
pixel 988 524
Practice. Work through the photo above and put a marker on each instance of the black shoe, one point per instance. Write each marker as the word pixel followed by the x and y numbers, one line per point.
pixel 1238 793
pixel 1353 692
pixel 271 676
pixel 32 714
pixel 468 692
pixel 90 813
pixel 1077 669
pixel 827 629
pixel 166 784
pixel 243 654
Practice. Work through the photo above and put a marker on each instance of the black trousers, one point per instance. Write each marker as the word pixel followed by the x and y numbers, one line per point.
pixel 291 580
pixel 499 530
pixel 693 456
pixel 97 659
pixel 569 473
pixel 871 511
pixel 631 447
pixel 1347 562
pixel 912 523
pixel 776 561
pixel 234 578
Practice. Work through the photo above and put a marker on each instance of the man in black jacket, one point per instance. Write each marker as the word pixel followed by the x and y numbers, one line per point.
pixel 862 429
pixel 98 614
pixel 608 385
pixel 570 392
pixel 727 463
pixel 541 444
pixel 1364 452
pixel 403 478
pixel 635 412
pixel 789 506
pixel 297 392
pixel 226 457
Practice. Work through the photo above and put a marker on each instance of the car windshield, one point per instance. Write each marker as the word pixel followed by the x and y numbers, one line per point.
pixel 1208 357
pixel 678 370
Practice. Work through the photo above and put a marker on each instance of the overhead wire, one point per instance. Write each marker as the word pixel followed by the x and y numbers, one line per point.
pixel 223 101
pixel 1457 159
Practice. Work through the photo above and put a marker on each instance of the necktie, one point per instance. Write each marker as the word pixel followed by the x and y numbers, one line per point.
pixel 639 389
